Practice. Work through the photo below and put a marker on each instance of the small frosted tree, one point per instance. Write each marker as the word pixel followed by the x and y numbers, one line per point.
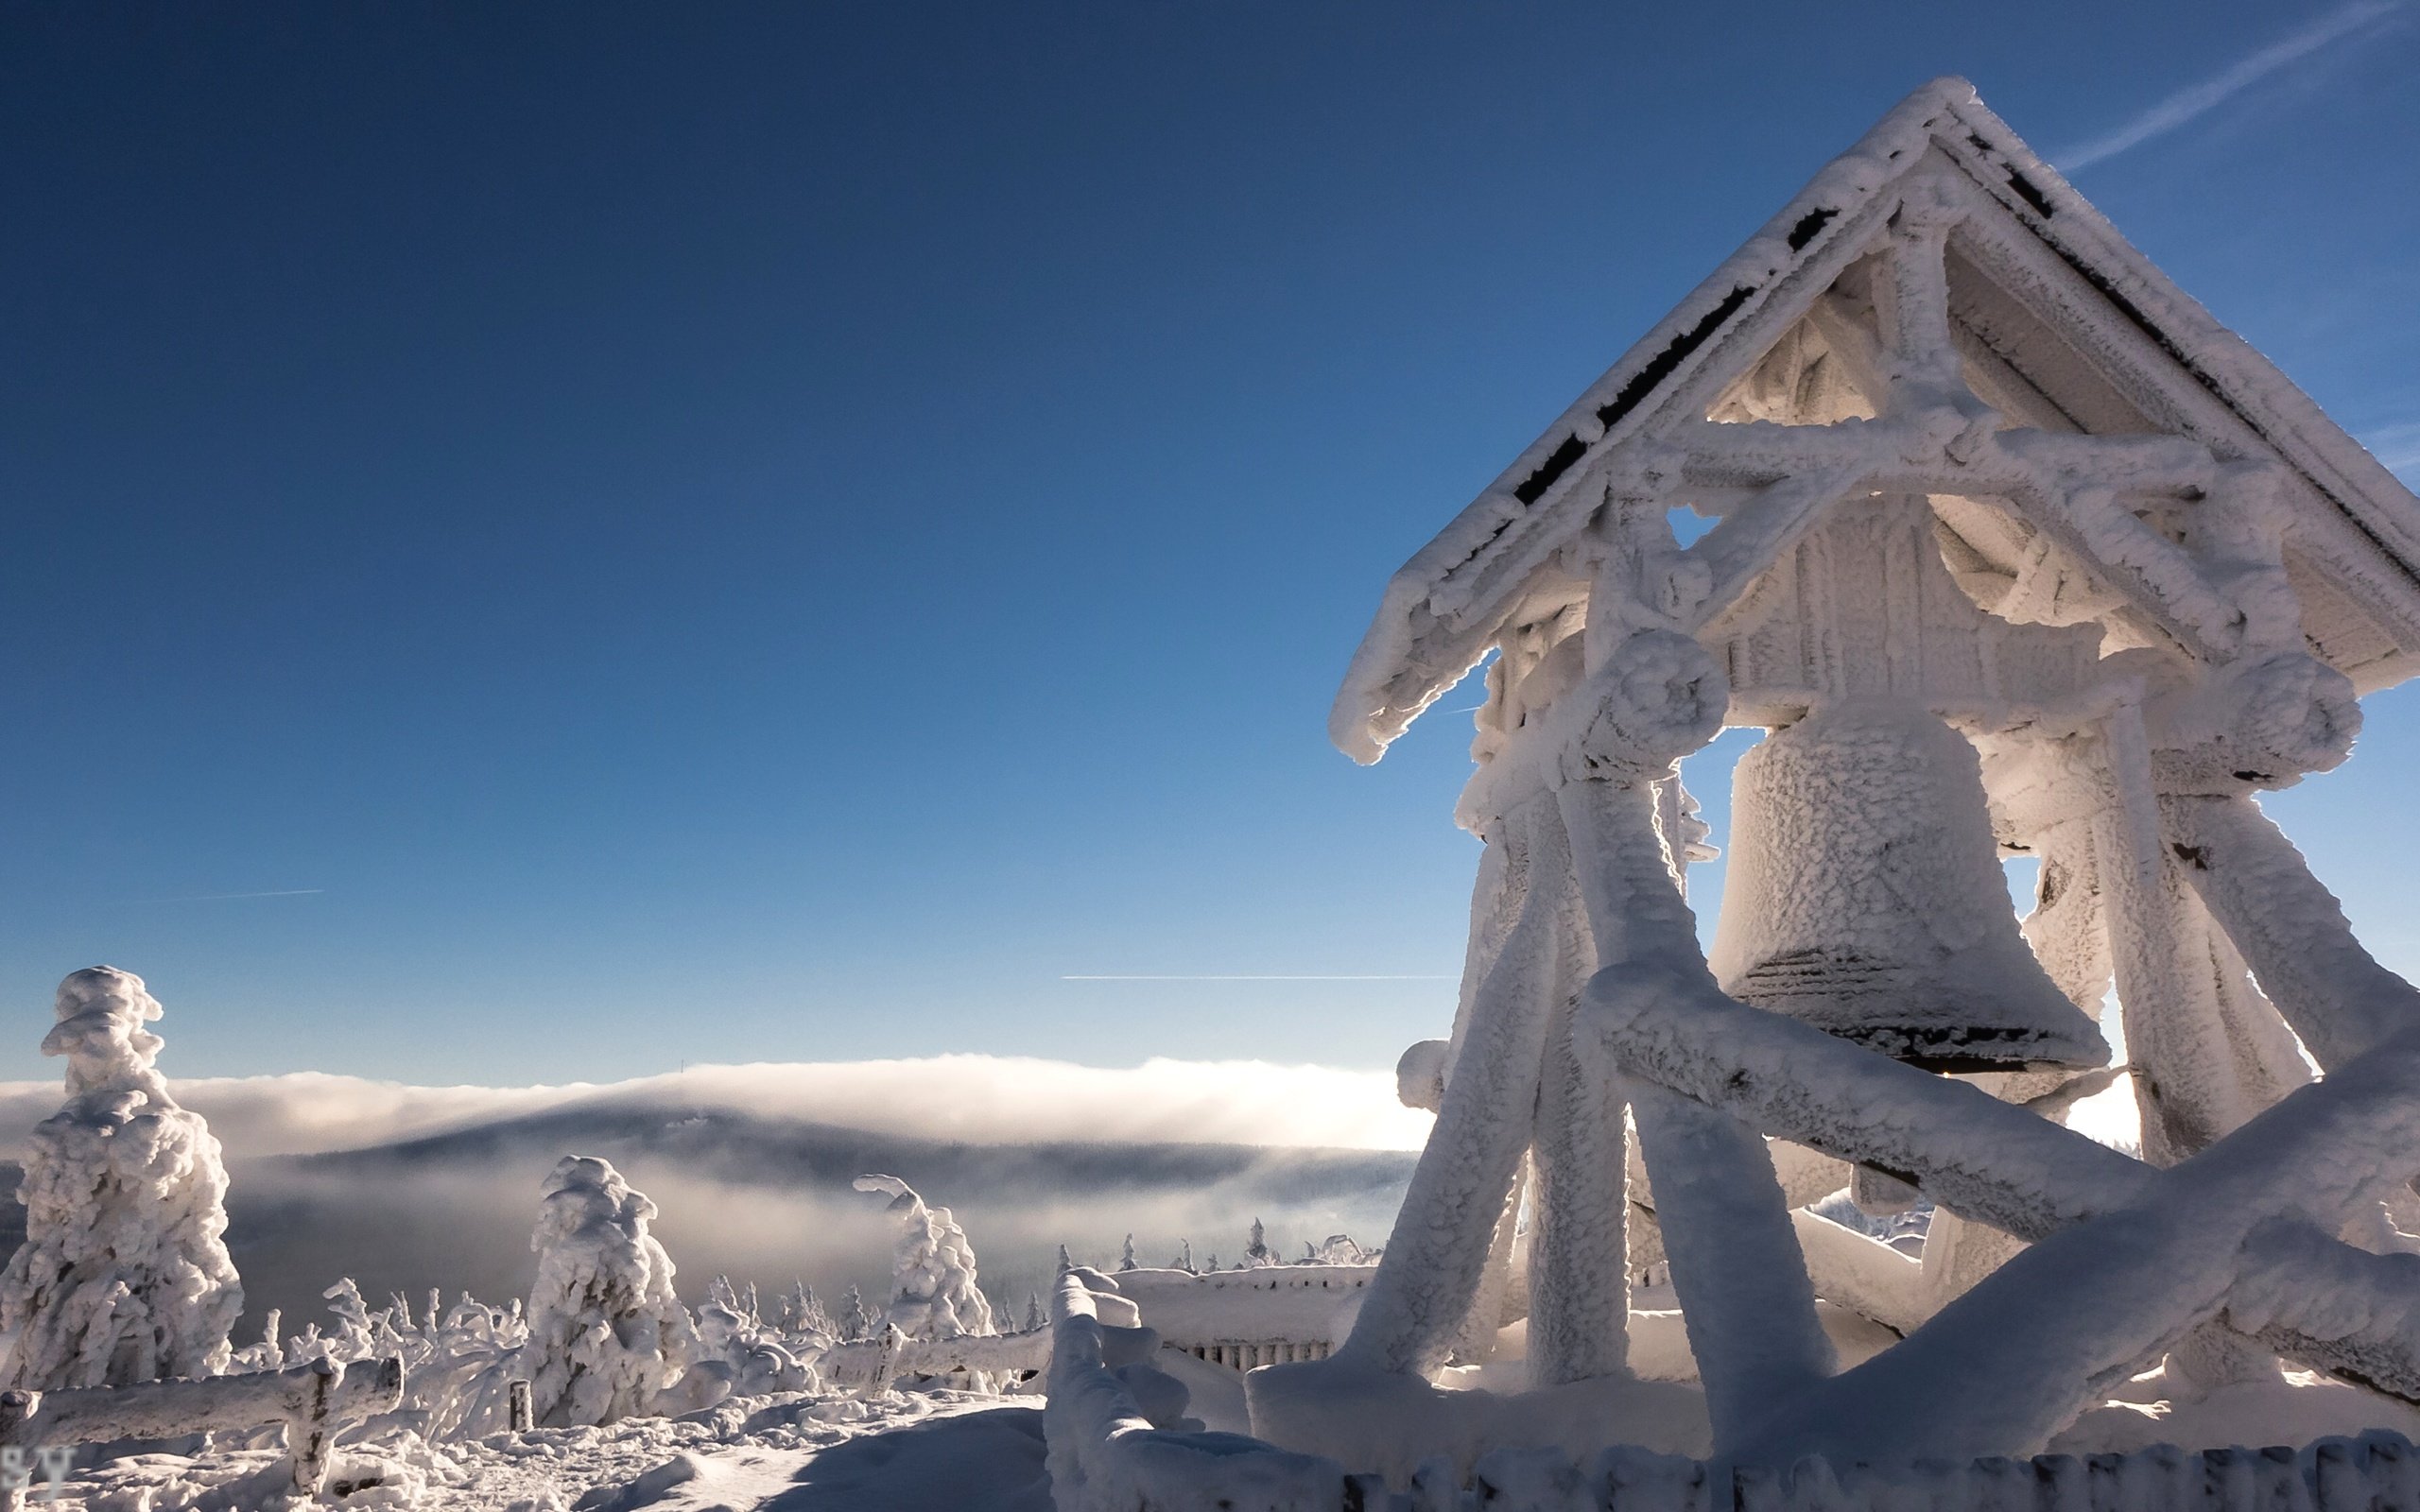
pixel 1257 1253
pixel 856 1322
pixel 802 1312
pixel 1126 1261
pixel 124 1275
pixel 606 1334
pixel 934 1294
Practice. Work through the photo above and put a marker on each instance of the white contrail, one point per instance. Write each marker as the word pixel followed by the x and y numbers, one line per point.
pixel 230 897
pixel 2397 446
pixel 1240 978
pixel 2185 104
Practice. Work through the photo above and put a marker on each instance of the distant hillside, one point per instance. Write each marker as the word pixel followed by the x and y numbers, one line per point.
pixel 767 1198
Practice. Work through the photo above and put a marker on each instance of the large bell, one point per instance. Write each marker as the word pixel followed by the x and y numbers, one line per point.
pixel 1864 896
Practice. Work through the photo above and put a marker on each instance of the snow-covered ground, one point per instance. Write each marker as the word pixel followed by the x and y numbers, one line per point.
pixel 895 1452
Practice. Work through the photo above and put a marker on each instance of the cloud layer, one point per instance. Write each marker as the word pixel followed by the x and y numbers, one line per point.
pixel 978 1099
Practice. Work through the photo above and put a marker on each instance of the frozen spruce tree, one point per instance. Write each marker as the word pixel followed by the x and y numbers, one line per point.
pixel 1126 1261
pixel 606 1334
pixel 123 1276
pixel 933 1291
pixel 856 1322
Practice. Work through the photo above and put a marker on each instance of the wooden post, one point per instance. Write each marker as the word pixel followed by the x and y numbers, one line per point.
pixel 517 1406
pixel 308 1439
pixel 16 1407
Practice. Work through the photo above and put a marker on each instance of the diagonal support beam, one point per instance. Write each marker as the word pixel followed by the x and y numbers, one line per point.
pixel 2290 928
pixel 2315 1157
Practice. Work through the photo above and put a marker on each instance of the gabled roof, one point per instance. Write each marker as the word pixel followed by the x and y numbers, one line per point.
pixel 2355 541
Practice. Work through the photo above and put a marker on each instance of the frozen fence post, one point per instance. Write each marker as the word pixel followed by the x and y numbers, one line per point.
pixel 886 1346
pixel 15 1407
pixel 517 1408
pixel 306 1431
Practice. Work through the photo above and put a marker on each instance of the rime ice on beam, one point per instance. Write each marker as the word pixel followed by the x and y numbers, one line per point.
pixel 123 1277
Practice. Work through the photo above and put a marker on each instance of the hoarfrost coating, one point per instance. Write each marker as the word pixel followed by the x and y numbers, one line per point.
pixel 124 1275
pixel 934 1294
pixel 607 1336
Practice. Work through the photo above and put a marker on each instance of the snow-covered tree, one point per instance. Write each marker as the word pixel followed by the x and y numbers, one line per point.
pixel 1257 1253
pixel 934 1294
pixel 856 1322
pixel 737 1355
pixel 802 1312
pixel 1126 1261
pixel 124 1275
pixel 1067 1261
pixel 606 1334
pixel 1033 1317
pixel 1339 1250
pixel 1184 1260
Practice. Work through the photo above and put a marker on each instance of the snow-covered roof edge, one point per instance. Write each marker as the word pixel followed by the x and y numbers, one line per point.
pixel 1367 716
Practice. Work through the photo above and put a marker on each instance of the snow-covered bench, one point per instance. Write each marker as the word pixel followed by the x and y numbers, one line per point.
pixel 313 1401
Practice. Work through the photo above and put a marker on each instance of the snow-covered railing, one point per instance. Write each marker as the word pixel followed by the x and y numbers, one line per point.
pixel 313 1401
pixel 1244 1319
pixel 1251 1354
pixel 1111 1422
pixel 862 1362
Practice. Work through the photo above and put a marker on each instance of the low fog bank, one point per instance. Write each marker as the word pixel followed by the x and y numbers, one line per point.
pixel 406 1189
pixel 768 1200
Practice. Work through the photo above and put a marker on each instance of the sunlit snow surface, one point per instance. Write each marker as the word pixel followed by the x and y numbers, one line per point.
pixel 784 1454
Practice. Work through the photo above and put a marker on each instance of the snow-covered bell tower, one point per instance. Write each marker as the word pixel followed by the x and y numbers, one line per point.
pixel 2013 550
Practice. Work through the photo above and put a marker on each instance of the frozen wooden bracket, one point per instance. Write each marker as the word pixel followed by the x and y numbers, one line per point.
pixel 312 1402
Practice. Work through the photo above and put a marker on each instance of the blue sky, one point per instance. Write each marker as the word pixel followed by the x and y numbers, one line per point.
pixel 730 533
